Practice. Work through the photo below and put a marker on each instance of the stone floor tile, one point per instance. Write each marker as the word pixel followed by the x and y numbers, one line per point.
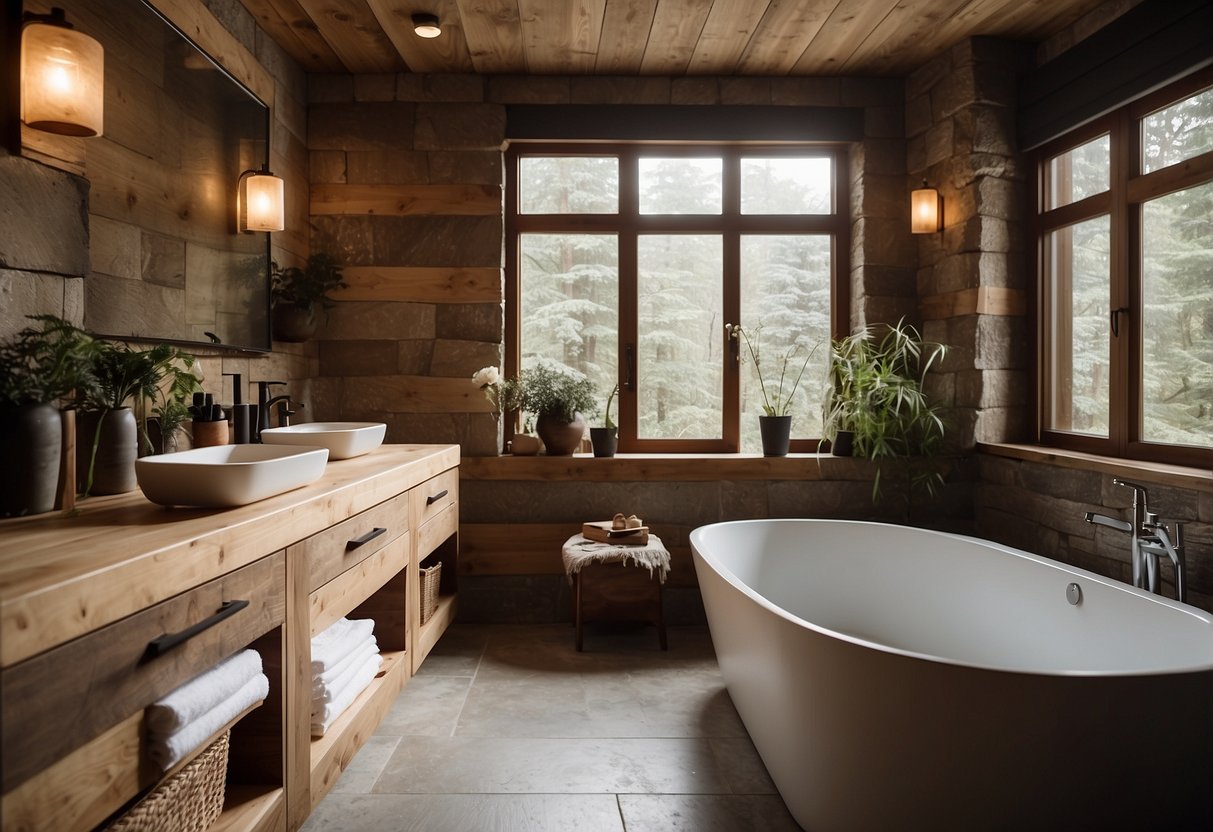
pixel 362 772
pixel 457 653
pixel 428 706
pixel 738 762
pixel 705 813
pixel 466 813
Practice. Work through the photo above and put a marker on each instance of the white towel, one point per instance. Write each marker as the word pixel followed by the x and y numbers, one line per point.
pixel 327 691
pixel 200 694
pixel 338 641
pixel 323 720
pixel 338 689
pixel 320 681
pixel 168 750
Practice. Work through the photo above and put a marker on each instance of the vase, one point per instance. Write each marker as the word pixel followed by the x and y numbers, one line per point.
pixel 605 440
pixel 776 434
pixel 293 324
pixel 523 444
pixel 843 444
pixel 559 437
pixel 114 436
pixel 31 442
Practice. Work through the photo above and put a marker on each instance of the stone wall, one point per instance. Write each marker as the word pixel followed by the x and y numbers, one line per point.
pixel 972 277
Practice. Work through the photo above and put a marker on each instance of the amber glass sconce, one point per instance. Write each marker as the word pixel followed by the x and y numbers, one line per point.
pixel 926 210
pixel 62 76
pixel 259 202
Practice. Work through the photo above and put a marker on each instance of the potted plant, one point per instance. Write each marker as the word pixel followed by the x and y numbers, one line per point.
pixel 296 292
pixel 110 434
pixel 606 438
pixel 775 423
pixel 876 393
pixel 505 395
pixel 38 367
pixel 558 396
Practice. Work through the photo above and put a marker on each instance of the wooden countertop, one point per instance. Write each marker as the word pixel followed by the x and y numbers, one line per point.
pixel 62 576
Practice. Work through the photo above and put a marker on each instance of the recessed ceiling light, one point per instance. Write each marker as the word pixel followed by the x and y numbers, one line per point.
pixel 426 25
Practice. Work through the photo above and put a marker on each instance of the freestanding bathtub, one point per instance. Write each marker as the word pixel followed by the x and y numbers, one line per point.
pixel 895 678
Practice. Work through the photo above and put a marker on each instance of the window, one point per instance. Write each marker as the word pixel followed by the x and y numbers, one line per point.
pixel 1125 314
pixel 626 263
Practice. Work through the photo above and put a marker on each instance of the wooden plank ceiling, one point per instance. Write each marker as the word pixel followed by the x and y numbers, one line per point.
pixel 649 37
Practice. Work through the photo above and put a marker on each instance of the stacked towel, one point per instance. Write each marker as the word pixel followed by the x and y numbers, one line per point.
pixel 345 659
pixel 190 715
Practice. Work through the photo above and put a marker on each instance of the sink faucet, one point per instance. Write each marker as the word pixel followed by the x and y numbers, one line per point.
pixel 1150 539
pixel 265 402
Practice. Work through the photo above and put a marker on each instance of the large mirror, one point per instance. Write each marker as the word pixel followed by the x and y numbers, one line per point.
pixel 166 260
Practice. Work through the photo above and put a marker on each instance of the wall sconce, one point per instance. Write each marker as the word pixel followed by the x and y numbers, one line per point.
pixel 259 202
pixel 926 210
pixel 426 25
pixel 62 76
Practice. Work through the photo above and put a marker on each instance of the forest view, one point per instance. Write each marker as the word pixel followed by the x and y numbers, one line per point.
pixel 570 286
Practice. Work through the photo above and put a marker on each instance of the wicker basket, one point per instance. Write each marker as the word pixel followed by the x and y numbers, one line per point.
pixel 430 578
pixel 188 801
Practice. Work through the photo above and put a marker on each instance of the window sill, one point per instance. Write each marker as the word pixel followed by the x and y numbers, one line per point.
pixel 666 468
pixel 1156 473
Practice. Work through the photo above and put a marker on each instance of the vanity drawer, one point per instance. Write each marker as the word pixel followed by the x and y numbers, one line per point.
pixel 435 495
pixel 63 698
pixel 352 541
pixel 435 530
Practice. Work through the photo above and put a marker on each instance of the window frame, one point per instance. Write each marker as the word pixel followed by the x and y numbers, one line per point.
pixel 628 224
pixel 1128 190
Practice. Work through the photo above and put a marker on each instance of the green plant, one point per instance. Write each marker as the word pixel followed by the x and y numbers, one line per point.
pixel 162 374
pixel 505 394
pixel 43 364
pixel 305 287
pixel 775 402
pixel 876 391
pixel 607 421
pixel 553 390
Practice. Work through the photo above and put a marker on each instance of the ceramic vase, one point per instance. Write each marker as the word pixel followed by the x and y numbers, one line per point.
pixel 29 458
pixel 776 434
pixel 523 444
pixel 560 438
pixel 114 433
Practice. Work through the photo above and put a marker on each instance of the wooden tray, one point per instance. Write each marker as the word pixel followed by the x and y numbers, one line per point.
pixel 602 532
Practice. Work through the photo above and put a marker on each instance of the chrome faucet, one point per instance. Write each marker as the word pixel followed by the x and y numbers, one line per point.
pixel 1150 539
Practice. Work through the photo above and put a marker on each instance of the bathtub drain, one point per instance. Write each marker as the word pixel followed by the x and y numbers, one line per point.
pixel 1074 594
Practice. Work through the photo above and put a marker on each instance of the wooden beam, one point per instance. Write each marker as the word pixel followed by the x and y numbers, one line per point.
pixel 421 394
pixel 353 33
pixel 289 26
pixel 403 200
pixel 985 300
pixel 665 468
pixel 421 284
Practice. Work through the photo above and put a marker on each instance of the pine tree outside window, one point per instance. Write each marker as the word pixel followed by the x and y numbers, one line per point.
pixel 626 262
pixel 1124 232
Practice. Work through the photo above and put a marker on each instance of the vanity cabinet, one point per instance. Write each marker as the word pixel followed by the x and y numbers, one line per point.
pixel 82 597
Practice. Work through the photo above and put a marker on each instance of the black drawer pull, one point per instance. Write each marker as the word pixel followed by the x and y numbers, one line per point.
pixel 160 646
pixel 433 498
pixel 366 538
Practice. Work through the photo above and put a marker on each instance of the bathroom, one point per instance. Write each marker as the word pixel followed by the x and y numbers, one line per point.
pixel 354 104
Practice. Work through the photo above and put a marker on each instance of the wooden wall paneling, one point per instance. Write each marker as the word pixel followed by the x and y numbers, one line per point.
pixel 422 394
pixel 561 37
pixel 404 200
pixel 354 35
pixel 985 300
pixel 621 48
pixel 200 26
pixel 672 38
pixel 725 34
pixel 290 27
pixel 782 36
pixel 421 284
pixel 492 31
pixel 446 53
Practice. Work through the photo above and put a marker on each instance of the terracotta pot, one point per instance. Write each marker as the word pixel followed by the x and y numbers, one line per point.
pixel 113 466
pixel 776 434
pixel 560 438
pixel 605 440
pixel 293 324
pixel 31 442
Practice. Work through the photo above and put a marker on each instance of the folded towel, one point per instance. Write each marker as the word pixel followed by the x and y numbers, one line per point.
pixel 326 691
pixel 337 690
pixel 166 750
pixel 338 641
pixel 321 680
pixel 323 720
pixel 200 694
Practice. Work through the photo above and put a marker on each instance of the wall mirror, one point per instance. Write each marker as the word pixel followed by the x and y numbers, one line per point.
pixel 167 263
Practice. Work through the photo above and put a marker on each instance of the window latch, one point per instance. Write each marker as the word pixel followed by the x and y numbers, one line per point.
pixel 1115 319
pixel 629 368
pixel 730 333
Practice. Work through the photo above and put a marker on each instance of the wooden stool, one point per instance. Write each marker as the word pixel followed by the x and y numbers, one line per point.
pixel 580 554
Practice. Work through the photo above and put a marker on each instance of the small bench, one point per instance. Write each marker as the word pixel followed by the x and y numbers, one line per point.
pixel 580 554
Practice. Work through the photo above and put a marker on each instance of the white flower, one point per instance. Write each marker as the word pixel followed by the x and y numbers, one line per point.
pixel 485 376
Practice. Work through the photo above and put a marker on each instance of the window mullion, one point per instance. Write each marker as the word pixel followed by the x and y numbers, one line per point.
pixel 629 201
pixel 1124 382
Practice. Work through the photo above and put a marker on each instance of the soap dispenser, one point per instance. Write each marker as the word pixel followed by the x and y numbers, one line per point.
pixel 240 411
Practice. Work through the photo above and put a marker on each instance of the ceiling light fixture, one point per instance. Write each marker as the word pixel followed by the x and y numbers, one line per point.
pixel 426 25
pixel 62 76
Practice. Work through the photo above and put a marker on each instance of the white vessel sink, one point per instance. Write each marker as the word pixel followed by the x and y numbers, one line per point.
pixel 343 439
pixel 227 475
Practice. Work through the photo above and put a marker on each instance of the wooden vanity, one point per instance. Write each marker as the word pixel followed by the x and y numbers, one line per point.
pixel 81 597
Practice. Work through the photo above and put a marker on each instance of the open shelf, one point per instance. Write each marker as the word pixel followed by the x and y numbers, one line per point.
pixel 251 809
pixel 432 630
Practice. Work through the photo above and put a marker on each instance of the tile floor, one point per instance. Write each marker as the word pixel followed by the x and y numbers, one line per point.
pixel 509 728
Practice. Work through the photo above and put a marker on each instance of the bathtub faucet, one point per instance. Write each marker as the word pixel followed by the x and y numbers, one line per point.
pixel 1150 539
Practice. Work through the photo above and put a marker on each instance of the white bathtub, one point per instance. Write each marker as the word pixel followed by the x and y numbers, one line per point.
pixel 895 678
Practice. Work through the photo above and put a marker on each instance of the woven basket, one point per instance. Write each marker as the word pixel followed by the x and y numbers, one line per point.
pixel 429 590
pixel 189 801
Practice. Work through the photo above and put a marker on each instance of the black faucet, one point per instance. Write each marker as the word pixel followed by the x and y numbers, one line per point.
pixel 263 406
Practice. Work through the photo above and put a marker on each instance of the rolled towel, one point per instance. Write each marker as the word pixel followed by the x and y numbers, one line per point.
pixel 166 750
pixel 200 694
pixel 324 688
pixel 338 641
pixel 322 681
pixel 323 720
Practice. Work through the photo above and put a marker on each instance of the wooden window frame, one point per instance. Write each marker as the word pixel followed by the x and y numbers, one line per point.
pixel 629 224
pixel 1128 189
